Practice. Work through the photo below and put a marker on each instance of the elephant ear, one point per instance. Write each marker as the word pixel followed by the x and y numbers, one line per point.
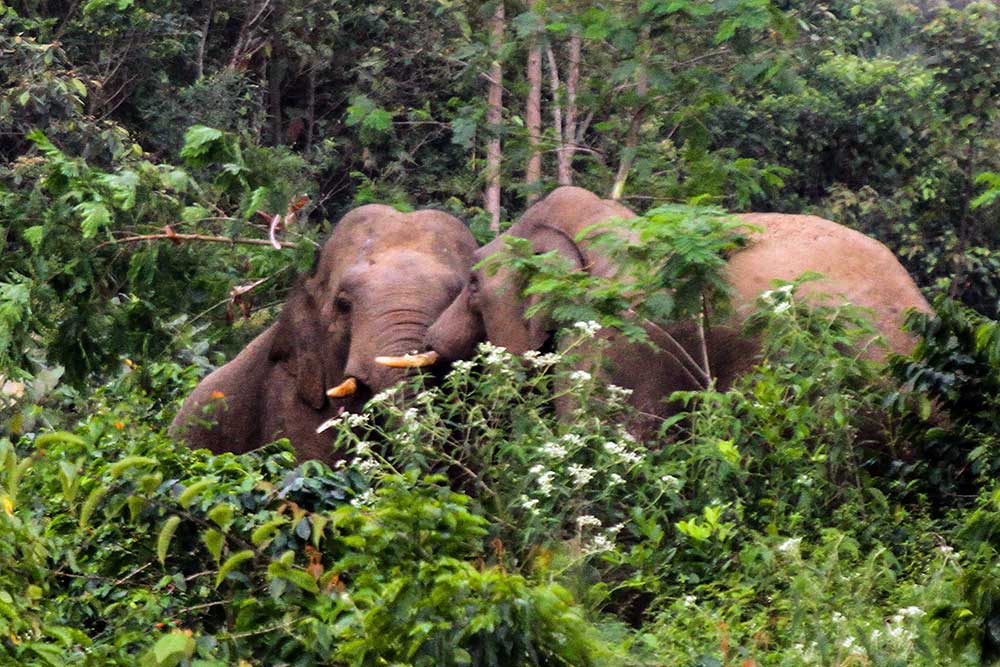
pixel 296 341
pixel 547 238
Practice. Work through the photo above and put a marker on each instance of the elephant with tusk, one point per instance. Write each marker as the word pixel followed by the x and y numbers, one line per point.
pixel 860 269
pixel 380 280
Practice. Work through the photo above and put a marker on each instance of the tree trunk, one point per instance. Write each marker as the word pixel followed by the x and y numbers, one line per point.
pixel 556 106
pixel 569 129
pixel 494 116
pixel 200 67
pixel 274 77
pixel 533 119
pixel 632 138
pixel 311 107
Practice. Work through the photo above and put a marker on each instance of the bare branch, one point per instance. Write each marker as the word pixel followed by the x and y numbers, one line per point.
pixel 178 238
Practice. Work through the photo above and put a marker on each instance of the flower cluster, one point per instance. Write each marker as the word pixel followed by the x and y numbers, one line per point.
pixel 779 298
pixel 351 419
pixel 588 329
pixel 539 360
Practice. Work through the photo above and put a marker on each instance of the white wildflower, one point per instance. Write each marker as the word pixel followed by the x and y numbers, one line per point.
pixel 572 439
pixel 631 458
pixel 782 307
pixel 622 392
pixel 580 376
pixel 588 329
pixel 848 642
pixel 804 480
pixel 581 474
pixel 837 617
pixel 366 466
pixel 495 355
pixel 791 546
pixel 671 482
pixel 462 366
pixel 614 479
pixel 689 600
pixel 354 420
pixel 424 398
pixel 554 450
pixel 539 360
pixel 600 543
pixel 364 499
pixel 363 448
pixel 384 395
pixel 911 612
pixel 545 483
pixel 616 448
pixel 615 529
pixel 410 415
pixel 585 520
pixel 536 469
pixel 528 503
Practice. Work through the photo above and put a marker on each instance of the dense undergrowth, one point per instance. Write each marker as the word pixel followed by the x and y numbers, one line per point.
pixel 785 522
pixel 825 511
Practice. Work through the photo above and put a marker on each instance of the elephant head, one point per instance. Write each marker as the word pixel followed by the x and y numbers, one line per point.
pixel 491 306
pixel 379 281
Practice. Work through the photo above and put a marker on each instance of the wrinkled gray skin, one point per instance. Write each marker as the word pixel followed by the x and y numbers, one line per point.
pixel 382 277
pixel 857 267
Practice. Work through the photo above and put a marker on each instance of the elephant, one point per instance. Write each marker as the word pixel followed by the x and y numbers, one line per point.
pixel 491 307
pixel 379 281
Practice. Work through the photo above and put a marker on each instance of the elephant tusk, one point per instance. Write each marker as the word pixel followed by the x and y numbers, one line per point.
pixel 345 388
pixel 409 360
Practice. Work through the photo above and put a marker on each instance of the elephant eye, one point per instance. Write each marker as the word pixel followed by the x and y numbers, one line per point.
pixel 342 304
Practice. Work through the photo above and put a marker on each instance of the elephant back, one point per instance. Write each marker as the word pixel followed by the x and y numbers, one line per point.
pixel 855 267
pixel 572 210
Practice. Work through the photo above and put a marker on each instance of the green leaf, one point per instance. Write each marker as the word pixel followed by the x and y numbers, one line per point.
pixel 213 540
pixel 47 439
pixel 165 536
pixel 232 562
pixel 301 579
pixel 130 462
pixel 95 215
pixel 34 235
pixel 169 650
pixel 191 492
pixel 222 515
pixel 90 504
pixel 199 142
pixel 266 530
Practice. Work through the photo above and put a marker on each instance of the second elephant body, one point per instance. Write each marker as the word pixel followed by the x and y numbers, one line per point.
pixel 855 267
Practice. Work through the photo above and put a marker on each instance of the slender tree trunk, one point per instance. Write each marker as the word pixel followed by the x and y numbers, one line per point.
pixel 569 131
pixel 632 138
pixel 533 118
pixel 311 107
pixel 557 123
pixel 275 74
pixel 200 71
pixel 494 116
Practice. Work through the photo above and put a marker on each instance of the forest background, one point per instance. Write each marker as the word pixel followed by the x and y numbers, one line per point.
pixel 167 169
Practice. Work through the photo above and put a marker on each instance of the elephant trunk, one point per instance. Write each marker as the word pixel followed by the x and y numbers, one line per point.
pixel 457 330
pixel 393 333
